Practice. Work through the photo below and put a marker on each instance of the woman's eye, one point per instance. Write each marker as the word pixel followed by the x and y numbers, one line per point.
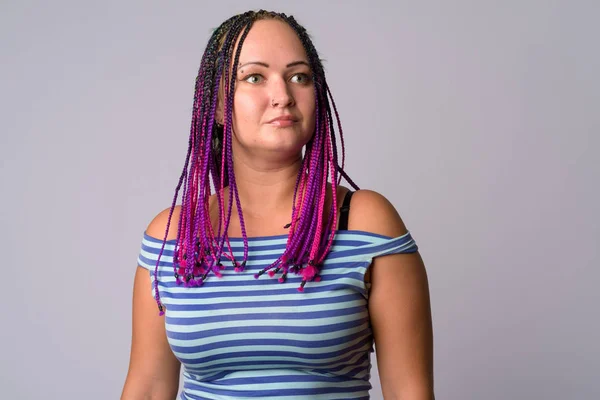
pixel 300 78
pixel 253 79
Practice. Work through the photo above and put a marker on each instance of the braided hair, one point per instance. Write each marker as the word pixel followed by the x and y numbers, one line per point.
pixel 199 249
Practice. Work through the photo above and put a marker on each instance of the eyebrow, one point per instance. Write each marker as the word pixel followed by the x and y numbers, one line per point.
pixel 292 64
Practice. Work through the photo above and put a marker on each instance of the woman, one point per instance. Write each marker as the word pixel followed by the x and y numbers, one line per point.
pixel 275 285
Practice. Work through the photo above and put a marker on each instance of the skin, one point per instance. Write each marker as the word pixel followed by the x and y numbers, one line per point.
pixel 266 163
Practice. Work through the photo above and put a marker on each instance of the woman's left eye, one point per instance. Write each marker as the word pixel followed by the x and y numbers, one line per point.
pixel 300 78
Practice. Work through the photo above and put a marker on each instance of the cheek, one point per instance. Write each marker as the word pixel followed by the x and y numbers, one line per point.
pixel 246 110
pixel 308 110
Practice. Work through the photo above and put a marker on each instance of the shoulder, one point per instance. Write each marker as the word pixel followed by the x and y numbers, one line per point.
pixel 372 212
pixel 158 226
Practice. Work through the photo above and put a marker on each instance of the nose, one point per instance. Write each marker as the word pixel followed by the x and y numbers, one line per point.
pixel 281 95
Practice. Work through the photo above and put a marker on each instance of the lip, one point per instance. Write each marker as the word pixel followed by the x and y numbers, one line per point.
pixel 284 120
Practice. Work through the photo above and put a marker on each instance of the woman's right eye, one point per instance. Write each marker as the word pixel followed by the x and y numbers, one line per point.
pixel 255 78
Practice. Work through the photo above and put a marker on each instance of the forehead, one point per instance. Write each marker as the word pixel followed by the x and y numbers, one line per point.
pixel 273 42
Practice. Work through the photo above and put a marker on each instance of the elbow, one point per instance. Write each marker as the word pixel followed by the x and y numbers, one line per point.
pixel 413 392
pixel 136 390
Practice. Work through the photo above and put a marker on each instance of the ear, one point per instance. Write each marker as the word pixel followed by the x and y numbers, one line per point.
pixel 219 113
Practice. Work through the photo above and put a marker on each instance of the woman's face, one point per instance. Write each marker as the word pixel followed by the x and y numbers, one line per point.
pixel 274 101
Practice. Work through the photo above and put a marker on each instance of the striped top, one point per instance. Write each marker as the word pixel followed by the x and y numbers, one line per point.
pixel 239 337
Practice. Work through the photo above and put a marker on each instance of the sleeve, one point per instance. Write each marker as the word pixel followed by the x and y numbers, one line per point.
pixel 384 245
pixel 148 256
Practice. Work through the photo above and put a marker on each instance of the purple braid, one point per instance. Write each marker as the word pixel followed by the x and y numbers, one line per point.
pixel 232 184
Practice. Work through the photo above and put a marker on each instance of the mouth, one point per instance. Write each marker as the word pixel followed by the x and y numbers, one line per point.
pixel 284 120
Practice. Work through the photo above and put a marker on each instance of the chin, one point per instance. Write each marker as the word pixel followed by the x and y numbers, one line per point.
pixel 289 137
pixel 285 148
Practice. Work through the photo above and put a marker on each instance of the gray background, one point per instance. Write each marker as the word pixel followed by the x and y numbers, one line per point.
pixel 479 120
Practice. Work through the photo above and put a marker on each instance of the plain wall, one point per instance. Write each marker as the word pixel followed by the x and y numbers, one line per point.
pixel 479 120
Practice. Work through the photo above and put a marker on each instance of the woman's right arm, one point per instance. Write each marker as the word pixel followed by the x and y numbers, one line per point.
pixel 153 368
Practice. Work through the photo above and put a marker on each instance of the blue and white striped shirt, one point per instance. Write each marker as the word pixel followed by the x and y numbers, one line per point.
pixel 238 337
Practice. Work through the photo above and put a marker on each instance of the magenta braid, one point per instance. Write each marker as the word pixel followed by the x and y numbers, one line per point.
pixel 233 191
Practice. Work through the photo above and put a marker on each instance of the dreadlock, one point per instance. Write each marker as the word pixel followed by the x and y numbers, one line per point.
pixel 199 249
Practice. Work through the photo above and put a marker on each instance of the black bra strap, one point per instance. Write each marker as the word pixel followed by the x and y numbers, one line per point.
pixel 345 211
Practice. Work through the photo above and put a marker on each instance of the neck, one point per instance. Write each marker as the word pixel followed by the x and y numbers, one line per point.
pixel 265 188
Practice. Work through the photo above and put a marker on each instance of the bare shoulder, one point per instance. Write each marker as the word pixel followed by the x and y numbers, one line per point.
pixel 158 225
pixel 373 212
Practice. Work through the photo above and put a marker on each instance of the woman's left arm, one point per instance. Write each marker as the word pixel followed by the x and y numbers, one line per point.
pixel 399 306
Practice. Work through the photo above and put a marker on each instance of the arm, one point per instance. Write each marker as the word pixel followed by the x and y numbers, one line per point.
pixel 153 368
pixel 399 306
